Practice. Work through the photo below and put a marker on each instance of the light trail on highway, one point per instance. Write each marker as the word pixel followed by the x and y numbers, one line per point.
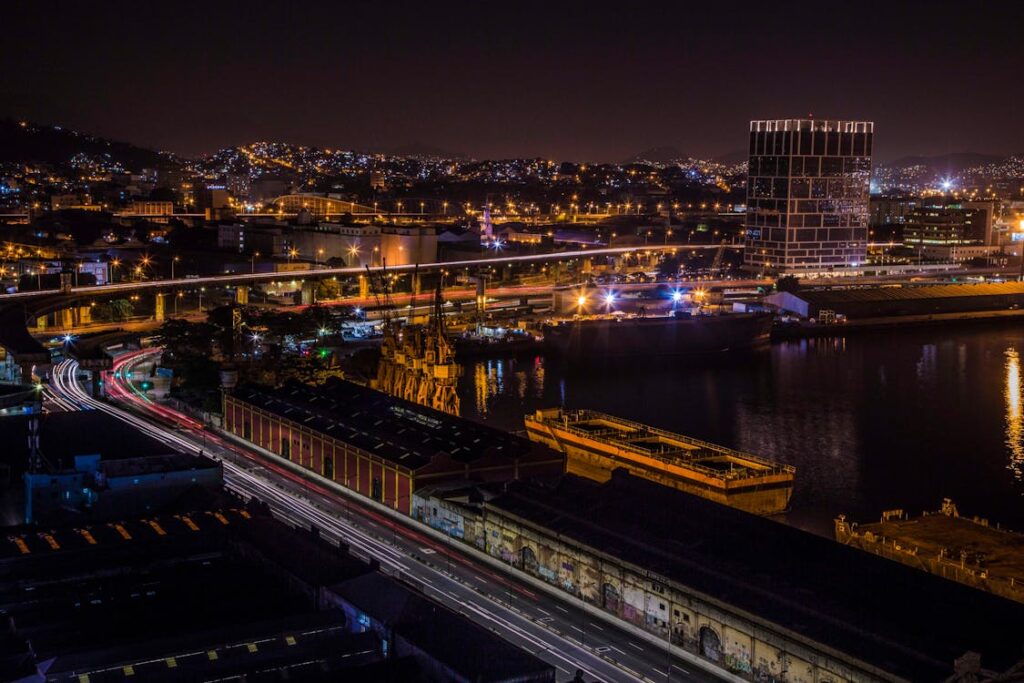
pixel 552 629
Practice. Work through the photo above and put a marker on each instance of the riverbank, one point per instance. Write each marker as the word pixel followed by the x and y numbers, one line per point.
pixel 809 330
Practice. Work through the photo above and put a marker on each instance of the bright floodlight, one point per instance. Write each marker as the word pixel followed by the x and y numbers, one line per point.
pixel 581 300
pixel 358 311
pixel 946 184
pixel 67 338
pixel 677 296
pixel 609 298
pixel 323 331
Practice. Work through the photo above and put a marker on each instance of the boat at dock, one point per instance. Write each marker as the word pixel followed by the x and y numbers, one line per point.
pixel 617 335
pixel 595 444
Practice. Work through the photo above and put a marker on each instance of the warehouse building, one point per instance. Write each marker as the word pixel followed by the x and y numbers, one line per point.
pixel 380 446
pixel 877 302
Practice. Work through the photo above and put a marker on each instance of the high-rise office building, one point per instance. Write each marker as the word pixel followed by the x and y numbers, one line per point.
pixel 807 194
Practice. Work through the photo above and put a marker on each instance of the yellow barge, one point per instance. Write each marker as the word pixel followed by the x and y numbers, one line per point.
pixel 594 444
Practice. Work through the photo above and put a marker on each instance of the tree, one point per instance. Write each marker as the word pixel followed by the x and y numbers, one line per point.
pixel 121 309
pixel 328 289
pixel 180 338
pixel 669 266
pixel 788 283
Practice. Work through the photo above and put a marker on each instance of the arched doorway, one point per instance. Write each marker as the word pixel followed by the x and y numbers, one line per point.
pixel 528 559
pixel 611 598
pixel 710 644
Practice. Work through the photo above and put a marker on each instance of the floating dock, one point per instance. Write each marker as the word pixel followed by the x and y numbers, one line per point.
pixel 595 444
pixel 962 549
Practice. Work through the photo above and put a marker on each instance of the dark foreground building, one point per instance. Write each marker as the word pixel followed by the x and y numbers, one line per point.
pixel 224 593
pixel 92 467
pixel 760 599
pixel 378 445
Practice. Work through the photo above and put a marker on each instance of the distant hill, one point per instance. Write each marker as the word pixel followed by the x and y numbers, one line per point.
pixel 417 149
pixel 658 155
pixel 945 163
pixel 56 145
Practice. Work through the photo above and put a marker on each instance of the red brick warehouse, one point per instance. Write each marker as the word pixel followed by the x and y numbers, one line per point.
pixel 377 445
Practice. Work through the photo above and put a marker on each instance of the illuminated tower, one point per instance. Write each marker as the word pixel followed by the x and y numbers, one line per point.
pixel 807 194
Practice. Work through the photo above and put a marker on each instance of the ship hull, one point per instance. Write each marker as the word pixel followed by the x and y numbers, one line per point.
pixel 764 488
pixel 664 336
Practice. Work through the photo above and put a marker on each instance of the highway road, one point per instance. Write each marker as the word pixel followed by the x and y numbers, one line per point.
pixel 249 278
pixel 556 630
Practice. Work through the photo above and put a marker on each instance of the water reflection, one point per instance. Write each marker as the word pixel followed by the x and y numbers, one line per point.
pixel 507 377
pixel 1014 419
pixel 871 423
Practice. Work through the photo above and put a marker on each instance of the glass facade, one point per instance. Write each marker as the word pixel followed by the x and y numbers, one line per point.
pixel 807 194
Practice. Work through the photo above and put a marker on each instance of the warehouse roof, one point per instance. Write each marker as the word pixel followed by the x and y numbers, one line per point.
pixel 405 433
pixel 873 609
pixel 917 292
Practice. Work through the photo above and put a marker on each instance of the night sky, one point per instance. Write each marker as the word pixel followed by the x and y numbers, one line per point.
pixel 584 81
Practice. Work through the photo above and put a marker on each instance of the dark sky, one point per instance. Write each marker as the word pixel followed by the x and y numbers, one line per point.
pixel 585 81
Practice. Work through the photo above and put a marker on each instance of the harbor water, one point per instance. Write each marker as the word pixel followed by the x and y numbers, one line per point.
pixel 873 422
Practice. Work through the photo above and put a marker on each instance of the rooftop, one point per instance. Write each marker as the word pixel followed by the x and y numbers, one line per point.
pixel 402 432
pixel 461 645
pixel 65 435
pixel 875 610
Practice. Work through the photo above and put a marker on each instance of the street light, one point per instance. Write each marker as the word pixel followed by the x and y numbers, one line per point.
pixel 173 261
pixel 252 260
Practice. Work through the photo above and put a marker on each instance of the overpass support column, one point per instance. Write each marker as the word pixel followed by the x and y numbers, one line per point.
pixel 417 283
pixel 84 315
pixel 481 296
pixel 160 308
pixel 364 287
pixel 67 318
pixel 41 322
pixel 242 295
pixel 308 292
pixel 588 265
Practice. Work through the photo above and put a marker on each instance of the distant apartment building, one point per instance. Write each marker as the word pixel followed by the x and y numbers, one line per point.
pixel 956 231
pixel 353 245
pixel 148 208
pixel 266 189
pixel 77 201
pixel 891 210
pixel 807 194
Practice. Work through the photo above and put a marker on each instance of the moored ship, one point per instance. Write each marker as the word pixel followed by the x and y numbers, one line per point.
pixel 594 444
pixel 611 336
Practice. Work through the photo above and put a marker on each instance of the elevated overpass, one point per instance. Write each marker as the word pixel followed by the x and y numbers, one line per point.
pixel 245 279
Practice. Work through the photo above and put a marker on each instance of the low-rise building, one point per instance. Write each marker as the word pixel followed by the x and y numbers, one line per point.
pixel 956 231
pixel 380 446
pixel 876 302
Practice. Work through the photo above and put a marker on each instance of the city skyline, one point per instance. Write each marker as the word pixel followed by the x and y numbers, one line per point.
pixel 596 86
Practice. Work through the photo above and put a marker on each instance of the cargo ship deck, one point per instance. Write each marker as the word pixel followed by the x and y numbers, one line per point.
pixel 595 444
pixel 964 549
